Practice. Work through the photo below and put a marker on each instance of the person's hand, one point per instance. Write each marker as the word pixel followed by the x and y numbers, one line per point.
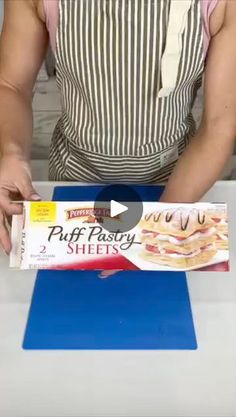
pixel 107 274
pixel 15 184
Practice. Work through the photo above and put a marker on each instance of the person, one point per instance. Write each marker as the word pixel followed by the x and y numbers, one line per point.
pixel 128 73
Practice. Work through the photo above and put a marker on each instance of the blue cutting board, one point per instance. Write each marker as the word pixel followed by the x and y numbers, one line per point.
pixel 130 310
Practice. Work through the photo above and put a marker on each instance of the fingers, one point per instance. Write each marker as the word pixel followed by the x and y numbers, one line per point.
pixel 7 205
pixel 27 191
pixel 107 274
pixel 5 241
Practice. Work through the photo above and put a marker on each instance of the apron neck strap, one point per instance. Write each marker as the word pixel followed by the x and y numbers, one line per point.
pixel 171 58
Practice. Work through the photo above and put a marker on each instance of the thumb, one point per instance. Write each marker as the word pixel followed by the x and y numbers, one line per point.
pixel 28 192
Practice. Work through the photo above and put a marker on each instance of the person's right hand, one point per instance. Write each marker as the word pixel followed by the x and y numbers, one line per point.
pixel 15 184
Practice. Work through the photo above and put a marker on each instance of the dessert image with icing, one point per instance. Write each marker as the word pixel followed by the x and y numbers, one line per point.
pixel 181 237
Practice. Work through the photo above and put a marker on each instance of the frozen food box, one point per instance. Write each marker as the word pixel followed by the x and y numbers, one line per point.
pixel 81 235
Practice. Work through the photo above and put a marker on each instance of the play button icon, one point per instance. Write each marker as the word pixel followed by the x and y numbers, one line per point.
pixel 117 208
pixel 123 207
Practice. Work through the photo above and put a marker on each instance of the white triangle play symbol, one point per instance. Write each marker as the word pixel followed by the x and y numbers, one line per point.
pixel 117 208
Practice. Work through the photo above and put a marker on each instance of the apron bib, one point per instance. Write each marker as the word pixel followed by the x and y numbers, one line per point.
pixel 128 72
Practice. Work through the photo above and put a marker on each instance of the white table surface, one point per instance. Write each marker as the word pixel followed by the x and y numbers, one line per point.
pixel 134 383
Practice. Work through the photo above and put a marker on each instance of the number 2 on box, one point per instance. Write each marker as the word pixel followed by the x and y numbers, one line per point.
pixel 43 249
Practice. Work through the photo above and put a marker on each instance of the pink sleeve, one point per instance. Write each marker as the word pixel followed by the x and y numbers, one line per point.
pixel 208 6
pixel 51 8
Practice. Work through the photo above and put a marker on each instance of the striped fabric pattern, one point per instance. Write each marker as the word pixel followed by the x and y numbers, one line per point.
pixel 114 127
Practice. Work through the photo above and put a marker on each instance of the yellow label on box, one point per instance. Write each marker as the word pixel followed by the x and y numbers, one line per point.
pixel 43 212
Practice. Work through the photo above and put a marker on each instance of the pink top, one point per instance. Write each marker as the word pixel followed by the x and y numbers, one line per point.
pixel 52 14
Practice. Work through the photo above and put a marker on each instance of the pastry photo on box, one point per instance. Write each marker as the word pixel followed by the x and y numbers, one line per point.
pixel 186 237
pixel 83 236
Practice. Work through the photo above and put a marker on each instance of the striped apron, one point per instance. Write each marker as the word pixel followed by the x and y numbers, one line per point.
pixel 128 72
